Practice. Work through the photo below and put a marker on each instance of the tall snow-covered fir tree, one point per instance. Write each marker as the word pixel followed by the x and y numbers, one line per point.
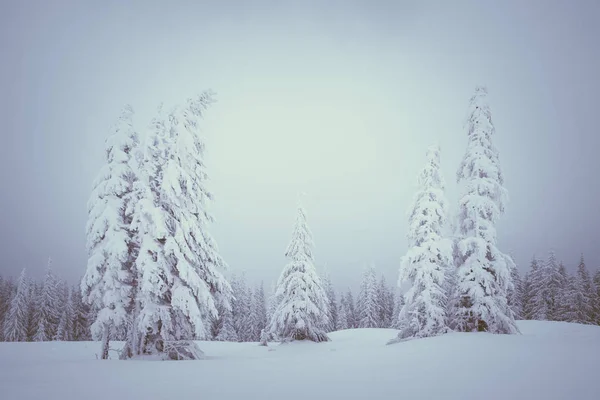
pixel 428 258
pixel 585 303
pixel 483 270
pixel 301 312
pixel 351 311
pixel 515 294
pixel 109 279
pixel 15 320
pixel 179 269
pixel 367 305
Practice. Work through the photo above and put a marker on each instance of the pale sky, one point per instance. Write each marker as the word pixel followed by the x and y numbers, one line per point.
pixel 339 99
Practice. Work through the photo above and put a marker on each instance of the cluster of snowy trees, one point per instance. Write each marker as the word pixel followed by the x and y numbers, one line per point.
pixel 458 280
pixel 153 270
pixel 42 311
pixel 549 292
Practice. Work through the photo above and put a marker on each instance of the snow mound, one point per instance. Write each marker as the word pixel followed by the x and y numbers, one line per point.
pixel 549 360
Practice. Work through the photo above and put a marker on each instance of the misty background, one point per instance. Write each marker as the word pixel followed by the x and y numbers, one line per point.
pixel 338 99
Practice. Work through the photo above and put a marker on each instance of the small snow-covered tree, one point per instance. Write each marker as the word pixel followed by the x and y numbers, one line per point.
pixel 258 320
pixel 81 320
pixel 597 297
pixel 428 258
pixel 385 304
pixel 109 279
pixel 585 302
pixel 180 271
pixel 33 298
pixel 483 271
pixel 527 297
pixel 15 321
pixel 332 309
pixel 301 312
pixel 368 310
pixel 241 308
pixel 227 331
pixel 342 321
pixel 49 311
pixel 351 312
pixel 515 294
pixel 65 325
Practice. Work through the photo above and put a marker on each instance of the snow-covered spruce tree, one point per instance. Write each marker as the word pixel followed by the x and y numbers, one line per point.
pixel 351 313
pixel 227 331
pixel 585 303
pixel 428 258
pixel 301 312
pixel 258 318
pixel 49 305
pixel 527 298
pixel 179 269
pixel 32 310
pixel 515 294
pixel 241 308
pixel 272 302
pixel 65 324
pixel 368 310
pixel 108 280
pixel 483 271
pixel 556 288
pixel 342 319
pixel 332 309
pixel 15 321
pixel 597 297
pixel 385 304
pixel 81 324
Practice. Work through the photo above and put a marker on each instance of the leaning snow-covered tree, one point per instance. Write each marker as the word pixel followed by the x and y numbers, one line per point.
pixel 301 312
pixel 179 268
pixel 428 258
pixel 107 283
pixel 483 270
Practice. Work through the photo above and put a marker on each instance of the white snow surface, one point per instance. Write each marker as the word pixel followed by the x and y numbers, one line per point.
pixel 549 360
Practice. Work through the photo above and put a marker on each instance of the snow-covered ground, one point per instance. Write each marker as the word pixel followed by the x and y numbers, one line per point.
pixel 550 360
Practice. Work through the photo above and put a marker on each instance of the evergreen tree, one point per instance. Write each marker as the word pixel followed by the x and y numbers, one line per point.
pixel 563 307
pixel 301 312
pixel 81 318
pixel 241 307
pixel 483 271
pixel 540 291
pixel 15 321
pixel 597 297
pixel 227 331
pixel 5 299
pixel 368 310
pixel 527 292
pixel 342 320
pixel 585 302
pixel 332 309
pixel 515 294
pixel 385 304
pixel 32 310
pixel 351 314
pixel 108 282
pixel 179 268
pixel 49 306
pixel 428 258
pixel 259 312
pixel 65 325
pixel 555 288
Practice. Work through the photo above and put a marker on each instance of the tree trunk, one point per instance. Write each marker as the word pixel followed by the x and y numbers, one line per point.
pixel 105 342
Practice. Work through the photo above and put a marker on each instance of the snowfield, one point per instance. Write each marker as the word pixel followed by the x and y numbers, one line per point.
pixel 550 360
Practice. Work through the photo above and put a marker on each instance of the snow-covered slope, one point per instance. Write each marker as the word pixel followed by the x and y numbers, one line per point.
pixel 550 360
